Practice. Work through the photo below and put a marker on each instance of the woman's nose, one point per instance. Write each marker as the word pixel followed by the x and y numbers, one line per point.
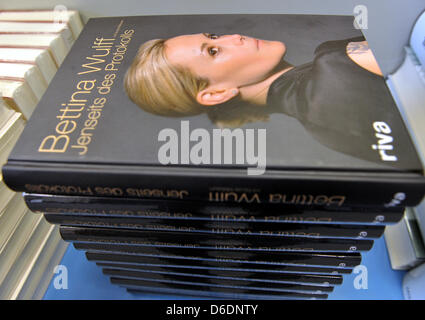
pixel 235 39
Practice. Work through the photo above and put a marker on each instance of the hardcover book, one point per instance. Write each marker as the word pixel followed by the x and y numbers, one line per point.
pixel 212 241
pixel 233 282
pixel 220 108
pixel 262 229
pixel 216 291
pixel 274 258
pixel 211 211
pixel 175 262
pixel 320 280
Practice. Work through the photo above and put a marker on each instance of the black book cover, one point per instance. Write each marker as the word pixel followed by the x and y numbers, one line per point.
pixel 270 257
pixel 315 279
pixel 210 290
pixel 212 241
pixel 225 108
pixel 197 210
pixel 233 282
pixel 220 227
pixel 179 262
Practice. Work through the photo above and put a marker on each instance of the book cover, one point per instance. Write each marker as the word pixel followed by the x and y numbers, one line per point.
pixel 225 108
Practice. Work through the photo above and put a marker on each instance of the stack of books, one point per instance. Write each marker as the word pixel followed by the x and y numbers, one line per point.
pixel 238 195
pixel 32 47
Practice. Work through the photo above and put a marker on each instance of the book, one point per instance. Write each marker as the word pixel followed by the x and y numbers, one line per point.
pixel 18 96
pixel 40 57
pixel 15 279
pixel 238 283
pixel 212 241
pixel 316 279
pixel 215 291
pixel 238 256
pixel 41 268
pixel 53 43
pixel 10 218
pixel 14 249
pixel 38 28
pixel 88 137
pixel 70 17
pixel 175 262
pixel 5 113
pixel 28 73
pixel 9 134
pixel 5 195
pixel 219 227
pixel 197 210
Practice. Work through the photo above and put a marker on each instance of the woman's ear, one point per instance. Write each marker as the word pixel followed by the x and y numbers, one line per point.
pixel 212 97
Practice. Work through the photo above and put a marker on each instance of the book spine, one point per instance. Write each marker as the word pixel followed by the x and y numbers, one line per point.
pixel 192 210
pixel 220 227
pixel 129 259
pixel 213 241
pixel 210 290
pixel 217 185
pixel 221 281
pixel 321 280
pixel 270 258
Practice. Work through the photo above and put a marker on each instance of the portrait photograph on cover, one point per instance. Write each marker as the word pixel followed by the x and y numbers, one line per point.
pixel 317 72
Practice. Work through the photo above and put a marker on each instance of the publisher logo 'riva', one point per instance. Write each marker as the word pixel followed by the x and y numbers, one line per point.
pixel 217 146
pixel 384 144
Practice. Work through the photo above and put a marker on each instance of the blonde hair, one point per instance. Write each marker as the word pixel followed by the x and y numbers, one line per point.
pixel 160 88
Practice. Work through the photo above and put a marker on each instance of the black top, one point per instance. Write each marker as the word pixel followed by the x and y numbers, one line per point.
pixel 338 101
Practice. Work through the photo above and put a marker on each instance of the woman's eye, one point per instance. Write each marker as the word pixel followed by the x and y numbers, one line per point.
pixel 212 36
pixel 213 51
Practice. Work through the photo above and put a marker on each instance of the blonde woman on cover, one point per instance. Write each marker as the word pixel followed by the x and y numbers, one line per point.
pixel 236 79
